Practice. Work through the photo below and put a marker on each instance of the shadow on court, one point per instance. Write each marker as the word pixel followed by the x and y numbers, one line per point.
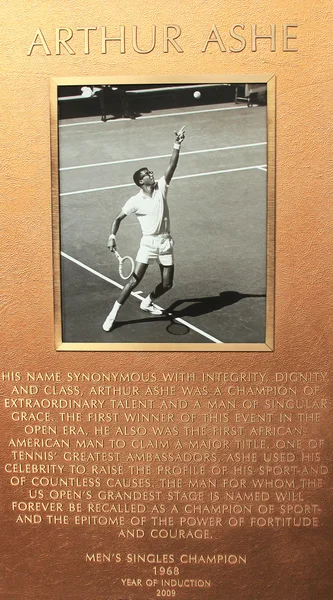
pixel 208 304
pixel 173 327
pixel 196 307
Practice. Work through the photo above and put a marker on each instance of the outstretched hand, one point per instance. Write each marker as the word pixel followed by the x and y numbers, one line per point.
pixel 180 135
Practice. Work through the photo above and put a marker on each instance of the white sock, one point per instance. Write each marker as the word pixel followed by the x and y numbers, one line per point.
pixel 148 300
pixel 115 309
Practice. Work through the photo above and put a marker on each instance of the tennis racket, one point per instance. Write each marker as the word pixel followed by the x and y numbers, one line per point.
pixel 126 265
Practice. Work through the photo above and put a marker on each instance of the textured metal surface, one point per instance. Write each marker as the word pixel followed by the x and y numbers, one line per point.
pixel 283 564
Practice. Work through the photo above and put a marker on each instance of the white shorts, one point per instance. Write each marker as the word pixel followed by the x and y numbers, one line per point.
pixel 156 247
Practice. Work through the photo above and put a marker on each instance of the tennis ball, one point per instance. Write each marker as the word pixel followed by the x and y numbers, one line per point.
pixel 197 95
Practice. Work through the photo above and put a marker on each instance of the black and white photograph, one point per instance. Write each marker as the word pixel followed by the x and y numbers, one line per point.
pixel 164 215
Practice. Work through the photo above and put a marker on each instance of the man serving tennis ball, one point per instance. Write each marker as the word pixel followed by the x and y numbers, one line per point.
pixel 151 208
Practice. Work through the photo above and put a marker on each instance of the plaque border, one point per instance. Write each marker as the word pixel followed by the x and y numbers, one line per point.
pixel 268 345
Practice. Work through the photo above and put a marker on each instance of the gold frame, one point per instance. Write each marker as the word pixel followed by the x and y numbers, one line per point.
pixel 268 345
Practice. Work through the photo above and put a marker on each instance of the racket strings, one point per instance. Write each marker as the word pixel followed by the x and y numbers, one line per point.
pixel 126 267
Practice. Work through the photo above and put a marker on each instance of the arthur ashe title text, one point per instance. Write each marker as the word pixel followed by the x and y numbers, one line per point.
pixel 167 38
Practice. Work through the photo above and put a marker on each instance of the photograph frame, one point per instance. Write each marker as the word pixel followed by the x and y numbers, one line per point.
pixel 268 344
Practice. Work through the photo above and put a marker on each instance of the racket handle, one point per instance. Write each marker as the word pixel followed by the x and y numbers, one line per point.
pixel 117 255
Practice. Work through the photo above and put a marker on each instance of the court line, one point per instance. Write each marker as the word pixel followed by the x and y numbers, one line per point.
pixel 123 185
pixel 136 295
pixel 128 160
pixel 189 112
pixel 263 168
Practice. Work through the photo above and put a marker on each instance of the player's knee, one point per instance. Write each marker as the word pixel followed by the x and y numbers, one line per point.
pixel 133 282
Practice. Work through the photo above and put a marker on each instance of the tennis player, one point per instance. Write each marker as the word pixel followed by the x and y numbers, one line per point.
pixel 151 208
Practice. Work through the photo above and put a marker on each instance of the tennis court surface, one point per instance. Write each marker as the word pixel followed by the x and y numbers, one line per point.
pixel 217 201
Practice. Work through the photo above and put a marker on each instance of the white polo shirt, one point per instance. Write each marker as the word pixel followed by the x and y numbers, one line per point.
pixel 152 213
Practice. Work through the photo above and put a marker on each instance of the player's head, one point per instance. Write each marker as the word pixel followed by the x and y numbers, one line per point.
pixel 142 176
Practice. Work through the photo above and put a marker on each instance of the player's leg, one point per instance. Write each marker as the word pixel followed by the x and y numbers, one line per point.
pixel 166 283
pixel 139 271
pixel 166 264
pixel 167 273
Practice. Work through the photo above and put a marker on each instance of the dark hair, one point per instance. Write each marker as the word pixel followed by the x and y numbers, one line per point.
pixel 138 176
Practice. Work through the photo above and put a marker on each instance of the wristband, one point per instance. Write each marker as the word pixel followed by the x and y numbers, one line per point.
pixel 112 236
pixel 176 146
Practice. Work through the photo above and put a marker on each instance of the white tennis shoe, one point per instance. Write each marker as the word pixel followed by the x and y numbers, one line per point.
pixel 108 323
pixel 148 306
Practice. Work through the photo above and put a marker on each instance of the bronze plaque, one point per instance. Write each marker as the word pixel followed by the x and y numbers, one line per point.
pixel 141 462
